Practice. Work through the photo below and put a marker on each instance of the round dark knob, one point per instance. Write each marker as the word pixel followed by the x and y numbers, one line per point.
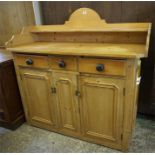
pixel 29 61
pixel 100 67
pixel 62 64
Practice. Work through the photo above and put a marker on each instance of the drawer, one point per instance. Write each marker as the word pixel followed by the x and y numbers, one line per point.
pixel 63 63
pixel 102 66
pixel 31 61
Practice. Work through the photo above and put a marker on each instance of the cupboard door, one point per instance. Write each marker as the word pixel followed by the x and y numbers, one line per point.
pixel 102 108
pixel 67 101
pixel 36 86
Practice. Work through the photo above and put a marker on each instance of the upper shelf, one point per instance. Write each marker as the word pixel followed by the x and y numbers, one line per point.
pixel 127 27
pixel 86 28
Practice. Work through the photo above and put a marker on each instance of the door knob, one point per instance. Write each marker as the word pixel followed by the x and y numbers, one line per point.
pixel 99 67
pixel 29 61
pixel 62 64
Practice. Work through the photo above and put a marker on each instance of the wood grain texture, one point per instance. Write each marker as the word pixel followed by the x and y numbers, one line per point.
pixel 129 101
pixel 111 67
pixel 14 16
pixel 37 89
pixel 69 61
pixel 83 49
pixel 107 101
pixel 137 32
pixel 117 119
pixel 87 20
pixel 71 26
pixel 19 39
pixel 102 108
pixel 114 12
pixel 38 61
pixel 90 37
pixel 67 101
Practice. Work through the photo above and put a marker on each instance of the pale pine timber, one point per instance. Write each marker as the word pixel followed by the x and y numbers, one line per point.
pixel 86 72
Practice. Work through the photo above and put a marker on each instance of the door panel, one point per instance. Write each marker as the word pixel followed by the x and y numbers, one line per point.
pixel 38 97
pixel 66 85
pixel 102 105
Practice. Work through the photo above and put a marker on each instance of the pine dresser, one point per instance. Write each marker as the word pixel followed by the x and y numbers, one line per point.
pixel 81 79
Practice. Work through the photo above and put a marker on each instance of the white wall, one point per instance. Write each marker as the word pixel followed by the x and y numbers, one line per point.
pixel 37 12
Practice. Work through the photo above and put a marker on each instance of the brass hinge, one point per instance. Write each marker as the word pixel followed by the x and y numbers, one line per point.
pixel 53 89
pixel 124 91
pixel 77 93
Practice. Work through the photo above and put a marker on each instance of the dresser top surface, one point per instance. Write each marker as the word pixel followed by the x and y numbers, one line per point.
pixel 83 49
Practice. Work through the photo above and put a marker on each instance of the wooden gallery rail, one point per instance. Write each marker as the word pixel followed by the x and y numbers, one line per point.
pixel 81 78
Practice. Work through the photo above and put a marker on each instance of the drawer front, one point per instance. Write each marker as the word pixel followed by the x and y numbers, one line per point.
pixel 102 66
pixel 32 61
pixel 63 63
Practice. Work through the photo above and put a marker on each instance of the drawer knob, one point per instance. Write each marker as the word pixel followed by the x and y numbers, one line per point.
pixel 62 64
pixel 29 61
pixel 99 67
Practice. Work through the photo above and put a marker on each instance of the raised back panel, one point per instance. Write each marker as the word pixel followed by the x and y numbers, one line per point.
pixel 93 37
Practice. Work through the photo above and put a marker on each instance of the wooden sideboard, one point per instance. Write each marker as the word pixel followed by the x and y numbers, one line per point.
pixel 11 109
pixel 81 79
